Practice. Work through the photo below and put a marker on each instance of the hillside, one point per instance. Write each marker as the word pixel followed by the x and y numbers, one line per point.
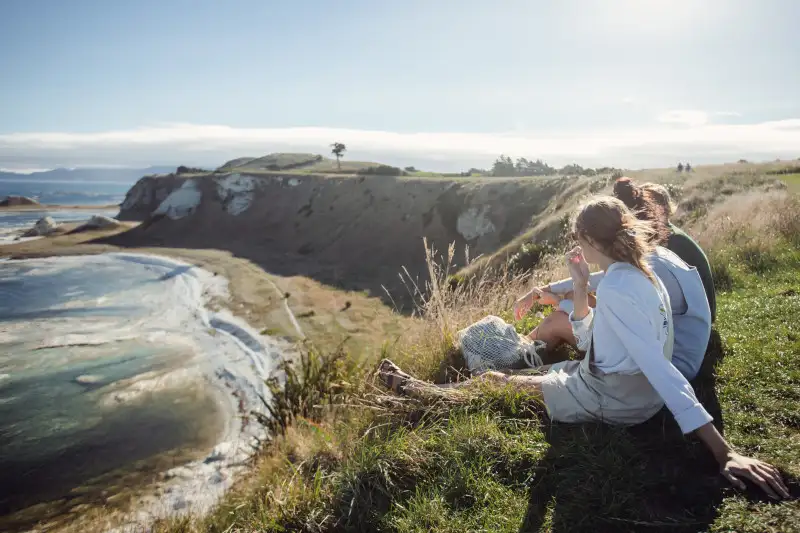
pixel 295 163
pixel 349 457
pixel 346 231
pixel 361 459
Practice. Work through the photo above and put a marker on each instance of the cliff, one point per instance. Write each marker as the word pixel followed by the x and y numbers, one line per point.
pixel 354 232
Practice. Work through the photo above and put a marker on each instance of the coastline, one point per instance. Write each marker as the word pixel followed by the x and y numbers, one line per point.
pixel 254 300
pixel 229 364
pixel 326 316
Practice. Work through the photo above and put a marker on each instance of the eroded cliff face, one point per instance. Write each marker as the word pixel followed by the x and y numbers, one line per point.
pixel 357 232
pixel 146 195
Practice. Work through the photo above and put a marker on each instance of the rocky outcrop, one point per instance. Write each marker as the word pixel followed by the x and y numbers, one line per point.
pixel 17 201
pixel 146 195
pixel 45 226
pixel 356 232
pixel 98 222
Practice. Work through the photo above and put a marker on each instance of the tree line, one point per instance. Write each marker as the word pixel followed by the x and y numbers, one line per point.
pixel 505 166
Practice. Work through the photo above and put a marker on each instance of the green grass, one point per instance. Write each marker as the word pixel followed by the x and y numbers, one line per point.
pixel 494 463
pixel 792 181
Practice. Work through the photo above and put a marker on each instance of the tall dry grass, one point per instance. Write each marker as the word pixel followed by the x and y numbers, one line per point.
pixel 754 219
pixel 428 351
pixel 748 230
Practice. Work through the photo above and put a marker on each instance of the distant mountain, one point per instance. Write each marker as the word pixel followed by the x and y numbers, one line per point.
pixel 128 175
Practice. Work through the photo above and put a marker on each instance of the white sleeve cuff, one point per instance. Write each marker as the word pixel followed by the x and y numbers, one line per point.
pixel 582 329
pixel 693 418
pixel 568 306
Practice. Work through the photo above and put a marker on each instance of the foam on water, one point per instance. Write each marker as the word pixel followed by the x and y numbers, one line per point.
pixel 86 317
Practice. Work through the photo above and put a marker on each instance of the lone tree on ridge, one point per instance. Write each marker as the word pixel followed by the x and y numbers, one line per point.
pixel 338 150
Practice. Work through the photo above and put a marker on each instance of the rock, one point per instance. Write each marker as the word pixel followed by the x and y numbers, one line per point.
pixel 88 379
pixel 45 226
pixel 15 201
pixel 102 222
pixel 181 202
pixel 99 222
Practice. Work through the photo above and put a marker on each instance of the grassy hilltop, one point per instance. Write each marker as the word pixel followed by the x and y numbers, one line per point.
pixel 349 457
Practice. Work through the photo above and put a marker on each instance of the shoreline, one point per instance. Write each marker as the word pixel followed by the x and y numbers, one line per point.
pixel 256 299
pixel 230 365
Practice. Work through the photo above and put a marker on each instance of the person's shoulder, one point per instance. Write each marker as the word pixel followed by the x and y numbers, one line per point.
pixel 624 280
pixel 668 258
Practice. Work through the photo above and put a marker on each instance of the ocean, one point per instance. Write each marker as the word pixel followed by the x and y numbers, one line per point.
pixel 119 387
pixel 14 223
pixel 67 192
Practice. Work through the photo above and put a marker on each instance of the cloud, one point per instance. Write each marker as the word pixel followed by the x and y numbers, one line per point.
pixel 210 145
pixel 687 117
pixel 727 114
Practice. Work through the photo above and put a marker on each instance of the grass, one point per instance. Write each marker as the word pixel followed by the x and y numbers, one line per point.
pixel 346 456
pixel 350 457
pixel 792 181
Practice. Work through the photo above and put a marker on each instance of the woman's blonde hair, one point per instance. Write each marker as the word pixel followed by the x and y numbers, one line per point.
pixel 608 225
pixel 660 194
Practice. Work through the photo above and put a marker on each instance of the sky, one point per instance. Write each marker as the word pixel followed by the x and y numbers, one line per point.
pixel 441 85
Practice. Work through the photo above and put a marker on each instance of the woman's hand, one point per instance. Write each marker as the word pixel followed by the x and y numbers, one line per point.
pixel 734 465
pixel 537 294
pixel 524 304
pixel 762 474
pixel 578 267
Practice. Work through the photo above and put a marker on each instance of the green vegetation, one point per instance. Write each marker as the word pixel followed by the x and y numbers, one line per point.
pixel 347 456
pixel 381 170
pixel 338 150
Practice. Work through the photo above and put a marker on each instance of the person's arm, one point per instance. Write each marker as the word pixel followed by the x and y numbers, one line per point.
pixel 624 316
pixel 564 286
pixel 733 464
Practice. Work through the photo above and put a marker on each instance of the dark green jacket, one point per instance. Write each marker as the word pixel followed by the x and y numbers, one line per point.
pixel 687 249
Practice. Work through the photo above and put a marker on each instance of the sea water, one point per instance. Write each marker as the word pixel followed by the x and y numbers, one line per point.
pixel 14 223
pixel 73 192
pixel 115 376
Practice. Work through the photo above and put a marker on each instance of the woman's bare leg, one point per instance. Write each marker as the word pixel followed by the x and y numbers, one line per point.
pixel 530 384
pixel 555 329
pixel 400 382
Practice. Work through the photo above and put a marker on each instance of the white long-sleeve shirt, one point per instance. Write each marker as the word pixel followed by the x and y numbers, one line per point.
pixel 691 313
pixel 631 332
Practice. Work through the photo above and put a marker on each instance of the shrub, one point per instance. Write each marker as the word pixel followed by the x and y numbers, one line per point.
pixel 380 170
pixel 784 171
pixel 305 387
pixel 723 278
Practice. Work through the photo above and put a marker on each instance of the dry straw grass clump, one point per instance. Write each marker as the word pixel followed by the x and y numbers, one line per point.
pixel 429 350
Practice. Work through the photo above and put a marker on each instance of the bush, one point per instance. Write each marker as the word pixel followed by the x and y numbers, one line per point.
pixel 303 388
pixel 721 272
pixel 380 170
pixel 189 170
pixel 784 171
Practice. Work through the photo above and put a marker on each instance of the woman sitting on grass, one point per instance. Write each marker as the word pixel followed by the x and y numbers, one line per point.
pixel 650 201
pixel 626 376
pixel 690 309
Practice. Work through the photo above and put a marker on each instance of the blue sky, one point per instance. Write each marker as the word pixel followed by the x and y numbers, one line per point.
pixel 445 84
